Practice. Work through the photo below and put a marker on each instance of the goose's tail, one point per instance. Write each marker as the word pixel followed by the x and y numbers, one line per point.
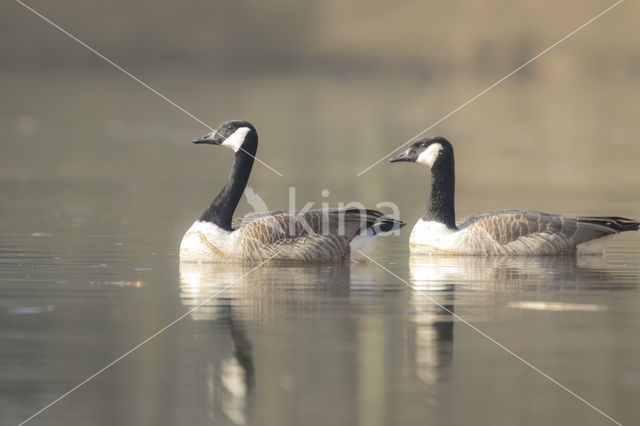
pixel 375 224
pixel 386 224
pixel 615 223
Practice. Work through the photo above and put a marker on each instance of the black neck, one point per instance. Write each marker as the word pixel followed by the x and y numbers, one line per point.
pixel 222 207
pixel 440 207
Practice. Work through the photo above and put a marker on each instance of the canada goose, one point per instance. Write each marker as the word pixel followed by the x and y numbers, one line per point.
pixel 320 235
pixel 511 232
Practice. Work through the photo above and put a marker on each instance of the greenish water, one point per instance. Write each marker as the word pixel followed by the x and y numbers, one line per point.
pixel 99 180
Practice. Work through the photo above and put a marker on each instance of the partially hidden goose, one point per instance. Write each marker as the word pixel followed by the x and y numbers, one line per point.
pixel 510 232
pixel 312 235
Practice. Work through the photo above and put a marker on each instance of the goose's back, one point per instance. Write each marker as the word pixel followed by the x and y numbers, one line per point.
pixel 524 232
pixel 306 235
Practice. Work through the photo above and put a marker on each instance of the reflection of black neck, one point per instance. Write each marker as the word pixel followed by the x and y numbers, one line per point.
pixel 243 350
pixel 440 206
pixel 222 207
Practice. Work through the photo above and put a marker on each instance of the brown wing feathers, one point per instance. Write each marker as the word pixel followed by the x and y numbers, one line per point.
pixel 310 234
pixel 508 226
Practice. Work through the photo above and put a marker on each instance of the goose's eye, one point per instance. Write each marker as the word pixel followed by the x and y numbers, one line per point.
pixel 423 144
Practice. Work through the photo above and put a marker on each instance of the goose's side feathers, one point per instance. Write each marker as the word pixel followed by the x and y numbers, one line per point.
pixel 308 247
pixel 314 234
pixel 517 233
pixel 321 221
pixel 250 217
pixel 325 235
pixel 509 225
pixel 533 232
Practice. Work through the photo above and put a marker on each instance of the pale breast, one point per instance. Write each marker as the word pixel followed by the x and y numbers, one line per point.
pixel 206 242
pixel 429 237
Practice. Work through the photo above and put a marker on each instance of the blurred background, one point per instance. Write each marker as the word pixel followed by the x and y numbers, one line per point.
pixel 331 87
pixel 99 180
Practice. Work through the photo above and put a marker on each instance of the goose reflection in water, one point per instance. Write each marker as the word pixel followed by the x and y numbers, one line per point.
pixel 491 282
pixel 431 321
pixel 511 273
pixel 233 298
pixel 266 292
pixel 229 370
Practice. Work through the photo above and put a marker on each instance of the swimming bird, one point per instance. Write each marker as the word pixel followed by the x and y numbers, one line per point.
pixel 509 232
pixel 309 235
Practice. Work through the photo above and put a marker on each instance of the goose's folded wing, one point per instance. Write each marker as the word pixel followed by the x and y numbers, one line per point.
pixel 307 248
pixel 250 217
pixel 308 235
pixel 561 231
pixel 286 225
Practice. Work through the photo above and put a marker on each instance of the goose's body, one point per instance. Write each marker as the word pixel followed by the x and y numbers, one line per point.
pixel 285 235
pixel 313 235
pixel 510 232
pixel 518 232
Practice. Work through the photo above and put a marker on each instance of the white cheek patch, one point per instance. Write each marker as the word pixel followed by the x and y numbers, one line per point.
pixel 429 155
pixel 235 140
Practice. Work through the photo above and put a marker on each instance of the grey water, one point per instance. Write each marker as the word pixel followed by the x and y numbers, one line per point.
pixel 94 198
pixel 86 275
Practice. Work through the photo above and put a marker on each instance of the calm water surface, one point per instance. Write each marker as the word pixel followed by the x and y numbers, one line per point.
pixel 85 278
pixel 94 198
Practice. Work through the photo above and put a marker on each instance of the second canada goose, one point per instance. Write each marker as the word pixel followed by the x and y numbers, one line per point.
pixel 510 232
pixel 318 235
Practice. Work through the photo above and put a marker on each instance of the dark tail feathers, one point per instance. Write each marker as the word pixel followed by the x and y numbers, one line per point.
pixel 386 224
pixel 617 224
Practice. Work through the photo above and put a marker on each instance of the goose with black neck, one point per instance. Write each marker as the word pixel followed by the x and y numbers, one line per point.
pixel 508 232
pixel 311 235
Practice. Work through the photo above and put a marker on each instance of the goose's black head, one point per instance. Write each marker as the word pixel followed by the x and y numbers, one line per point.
pixel 431 151
pixel 234 134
